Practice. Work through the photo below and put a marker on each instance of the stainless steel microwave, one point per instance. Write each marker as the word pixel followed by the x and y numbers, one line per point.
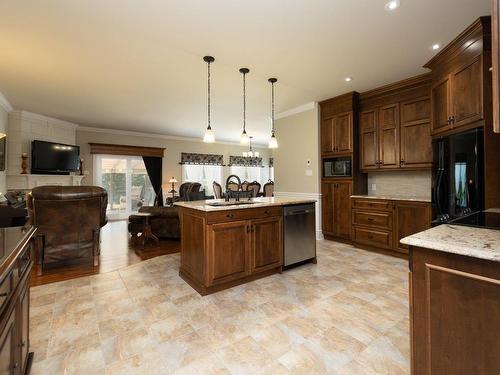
pixel 337 167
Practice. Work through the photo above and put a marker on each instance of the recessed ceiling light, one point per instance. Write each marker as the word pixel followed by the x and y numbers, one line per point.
pixel 348 79
pixel 392 5
pixel 436 46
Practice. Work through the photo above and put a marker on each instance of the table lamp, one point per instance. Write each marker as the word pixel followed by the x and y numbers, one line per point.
pixel 173 181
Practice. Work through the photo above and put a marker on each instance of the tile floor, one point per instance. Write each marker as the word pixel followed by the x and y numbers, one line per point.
pixel 346 315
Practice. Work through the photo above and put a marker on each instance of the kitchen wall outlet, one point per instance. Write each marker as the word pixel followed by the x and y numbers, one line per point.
pixel 309 172
pixel 374 187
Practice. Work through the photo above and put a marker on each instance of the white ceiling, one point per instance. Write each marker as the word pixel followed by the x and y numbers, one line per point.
pixel 137 64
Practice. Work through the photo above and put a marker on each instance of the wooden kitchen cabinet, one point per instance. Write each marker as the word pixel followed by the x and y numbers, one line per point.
pixel 410 218
pixel 388 146
pixel 221 249
pixel 336 209
pixel 495 34
pixel 228 252
pixel 415 134
pixel 381 223
pixel 395 126
pixel 336 134
pixel 455 310
pixel 368 140
pixel 15 272
pixel 462 81
pixel 266 249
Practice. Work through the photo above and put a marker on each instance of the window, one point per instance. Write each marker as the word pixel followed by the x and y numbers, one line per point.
pixel 126 180
pixel 203 174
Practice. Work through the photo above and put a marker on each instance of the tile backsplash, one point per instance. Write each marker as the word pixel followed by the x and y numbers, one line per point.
pixel 404 184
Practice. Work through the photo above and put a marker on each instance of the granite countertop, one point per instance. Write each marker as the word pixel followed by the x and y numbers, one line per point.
pixel 254 203
pixel 393 198
pixel 457 239
pixel 12 240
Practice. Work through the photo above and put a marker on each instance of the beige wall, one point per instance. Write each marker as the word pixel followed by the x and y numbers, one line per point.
pixel 4 117
pixel 298 137
pixel 173 149
pixel 405 184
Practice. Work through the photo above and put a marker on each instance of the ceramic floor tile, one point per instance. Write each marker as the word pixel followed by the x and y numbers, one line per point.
pixel 346 315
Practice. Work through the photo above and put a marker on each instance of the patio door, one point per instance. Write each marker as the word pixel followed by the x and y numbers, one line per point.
pixel 126 180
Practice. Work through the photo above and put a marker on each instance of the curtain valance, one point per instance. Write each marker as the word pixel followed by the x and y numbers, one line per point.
pixel 242 161
pixel 201 159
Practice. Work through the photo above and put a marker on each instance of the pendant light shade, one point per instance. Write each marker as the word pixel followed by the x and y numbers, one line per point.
pixel 209 133
pixel 244 140
pixel 273 142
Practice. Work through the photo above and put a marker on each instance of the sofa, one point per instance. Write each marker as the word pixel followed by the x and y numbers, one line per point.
pixel 165 223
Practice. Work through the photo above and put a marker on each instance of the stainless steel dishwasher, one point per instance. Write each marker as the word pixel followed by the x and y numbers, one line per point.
pixel 300 234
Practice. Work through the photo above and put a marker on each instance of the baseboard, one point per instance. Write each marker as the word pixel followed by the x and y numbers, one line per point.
pixel 313 196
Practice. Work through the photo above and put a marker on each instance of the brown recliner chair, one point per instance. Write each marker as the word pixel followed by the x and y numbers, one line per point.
pixel 69 220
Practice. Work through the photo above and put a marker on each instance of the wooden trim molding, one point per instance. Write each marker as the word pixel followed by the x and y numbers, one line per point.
pixel 104 148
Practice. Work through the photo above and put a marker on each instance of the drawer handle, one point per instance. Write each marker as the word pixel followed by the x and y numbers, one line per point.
pixel 230 216
pixel 267 212
pixel 370 219
pixel 4 294
pixel 23 344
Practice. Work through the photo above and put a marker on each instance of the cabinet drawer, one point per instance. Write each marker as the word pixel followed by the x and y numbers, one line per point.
pixel 381 220
pixel 372 204
pixel 243 214
pixel 6 287
pixel 372 237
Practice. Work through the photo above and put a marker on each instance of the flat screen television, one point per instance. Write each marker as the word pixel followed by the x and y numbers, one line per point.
pixel 54 158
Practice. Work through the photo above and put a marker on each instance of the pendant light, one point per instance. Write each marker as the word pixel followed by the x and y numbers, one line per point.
pixel 273 142
pixel 209 133
pixel 244 140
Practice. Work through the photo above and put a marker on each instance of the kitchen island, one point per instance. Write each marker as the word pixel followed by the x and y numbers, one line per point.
pixel 455 300
pixel 224 244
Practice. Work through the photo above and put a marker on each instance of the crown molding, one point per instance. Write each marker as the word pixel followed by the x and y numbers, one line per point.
pixel 5 103
pixel 296 110
pixel 154 135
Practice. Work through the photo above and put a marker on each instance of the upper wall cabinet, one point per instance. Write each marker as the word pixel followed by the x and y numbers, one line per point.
pixel 337 134
pixel 395 126
pixel 461 89
pixel 495 34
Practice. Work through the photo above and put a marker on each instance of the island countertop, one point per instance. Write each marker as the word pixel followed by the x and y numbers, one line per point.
pixel 253 203
pixel 473 242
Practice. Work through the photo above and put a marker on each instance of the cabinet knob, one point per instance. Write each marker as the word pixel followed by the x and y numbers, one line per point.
pixel 4 294
pixel 23 344
pixel 230 216
pixel 267 212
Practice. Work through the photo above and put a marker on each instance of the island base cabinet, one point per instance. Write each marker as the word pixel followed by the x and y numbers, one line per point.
pixel 220 250
pixel 455 307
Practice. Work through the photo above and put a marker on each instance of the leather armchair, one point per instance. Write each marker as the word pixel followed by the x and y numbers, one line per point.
pixel 69 220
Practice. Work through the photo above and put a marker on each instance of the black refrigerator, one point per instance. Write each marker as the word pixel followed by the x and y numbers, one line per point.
pixel 457 176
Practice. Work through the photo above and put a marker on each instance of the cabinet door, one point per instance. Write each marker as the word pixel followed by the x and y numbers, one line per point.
pixel 368 141
pixel 23 327
pixel 410 218
pixel 267 244
pixel 327 134
pixel 441 105
pixel 343 132
pixel 389 136
pixel 327 191
pixel 415 134
pixel 342 209
pixel 229 251
pixel 466 94
pixel 9 364
pixel 495 34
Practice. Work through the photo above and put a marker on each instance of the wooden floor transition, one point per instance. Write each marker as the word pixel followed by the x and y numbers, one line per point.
pixel 116 253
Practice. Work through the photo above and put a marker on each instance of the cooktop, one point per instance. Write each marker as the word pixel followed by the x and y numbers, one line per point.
pixel 484 219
